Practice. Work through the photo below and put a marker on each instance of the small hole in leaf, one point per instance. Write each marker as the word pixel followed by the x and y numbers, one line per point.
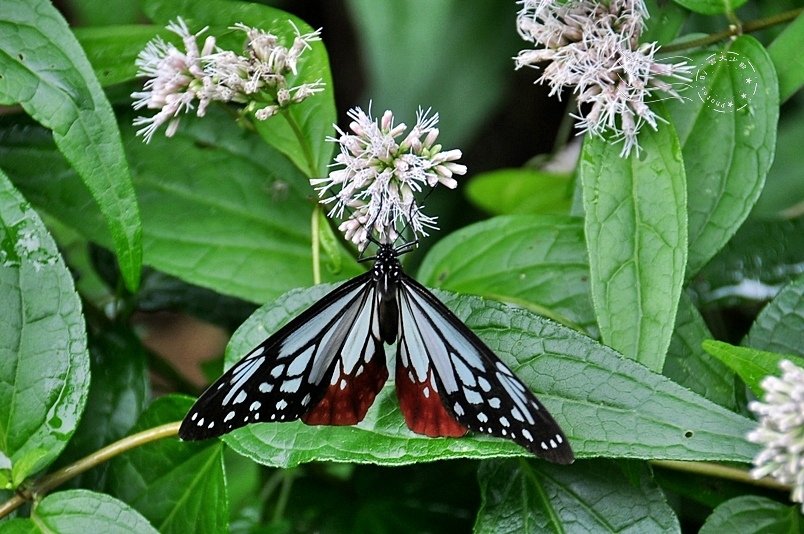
pixel 688 434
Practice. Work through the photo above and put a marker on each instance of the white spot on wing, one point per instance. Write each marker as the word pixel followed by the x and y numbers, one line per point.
pixel 229 417
pixel 299 363
pixel 458 409
pixel 426 392
pixel 472 396
pixel 504 421
pixel 281 405
pixel 255 406
pixel 194 417
pixel 484 384
pixel 291 385
pixel 494 402
pixel 241 396
pixel 482 417
pixel 265 387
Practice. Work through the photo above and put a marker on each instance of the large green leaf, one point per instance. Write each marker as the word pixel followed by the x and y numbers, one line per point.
pixel 113 50
pixel 749 513
pixel 220 209
pixel 301 130
pixel 636 235
pixel 44 364
pixel 416 55
pixel 754 266
pixel 785 52
pixel 607 405
pixel 80 512
pixel 780 326
pixel 691 366
pixel 180 487
pixel 535 261
pixel 590 496
pixel 508 191
pixel 117 396
pixel 45 70
pixel 783 194
pixel 751 364
pixel 711 7
pixel 727 149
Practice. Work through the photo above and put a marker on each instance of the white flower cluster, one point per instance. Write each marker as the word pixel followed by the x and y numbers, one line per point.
pixel 380 175
pixel 593 48
pixel 180 81
pixel 781 429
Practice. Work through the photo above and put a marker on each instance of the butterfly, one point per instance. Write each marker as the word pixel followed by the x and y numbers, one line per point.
pixel 327 365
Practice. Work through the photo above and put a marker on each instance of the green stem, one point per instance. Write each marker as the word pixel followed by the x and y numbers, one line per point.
pixel 284 494
pixel 316 244
pixel 734 30
pixel 720 471
pixel 48 482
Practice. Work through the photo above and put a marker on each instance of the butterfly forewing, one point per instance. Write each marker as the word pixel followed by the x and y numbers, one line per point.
pixel 437 353
pixel 325 366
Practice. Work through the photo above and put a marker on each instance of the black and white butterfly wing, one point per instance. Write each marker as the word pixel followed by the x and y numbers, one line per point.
pixel 445 372
pixel 326 366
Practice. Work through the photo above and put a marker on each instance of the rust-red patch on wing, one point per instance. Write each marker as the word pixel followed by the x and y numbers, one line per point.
pixel 348 405
pixel 424 414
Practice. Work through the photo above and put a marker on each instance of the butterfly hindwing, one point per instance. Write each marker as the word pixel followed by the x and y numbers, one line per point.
pixel 325 366
pixel 440 357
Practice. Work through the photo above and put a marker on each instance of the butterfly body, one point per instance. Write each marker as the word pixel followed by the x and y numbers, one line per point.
pixel 327 365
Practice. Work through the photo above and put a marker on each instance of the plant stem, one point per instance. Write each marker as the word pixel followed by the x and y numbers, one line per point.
pixel 734 30
pixel 720 471
pixel 48 482
pixel 303 143
pixel 288 475
pixel 316 244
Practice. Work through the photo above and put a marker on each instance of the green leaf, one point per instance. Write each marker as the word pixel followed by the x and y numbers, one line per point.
pixel 44 365
pixel 590 496
pixel 785 52
pixel 112 50
pixel 779 326
pixel 636 235
pixel 711 7
pixel 180 487
pixel 397 40
pixel 521 191
pixel 221 230
pixel 538 262
pixel 45 70
pixel 749 513
pixel 783 194
pixel 665 21
pixel 691 366
pixel 752 365
pixel 301 130
pixel 704 489
pixel 727 150
pixel 80 512
pixel 754 266
pixel 607 405
pixel 117 396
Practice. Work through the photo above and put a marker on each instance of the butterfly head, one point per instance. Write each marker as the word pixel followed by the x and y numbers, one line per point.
pixel 386 268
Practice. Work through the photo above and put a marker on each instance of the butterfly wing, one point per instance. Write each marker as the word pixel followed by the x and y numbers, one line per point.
pixel 438 357
pixel 326 366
